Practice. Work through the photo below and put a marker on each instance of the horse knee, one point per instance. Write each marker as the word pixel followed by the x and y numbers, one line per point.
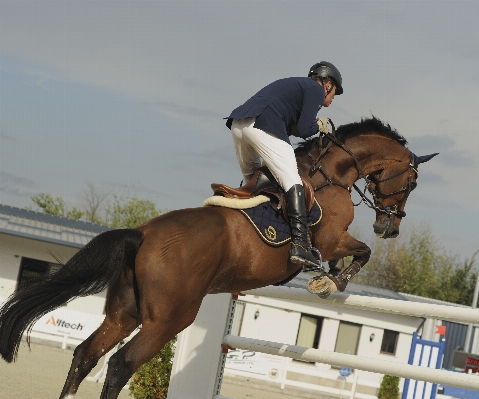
pixel 83 356
pixel 80 350
pixel 363 253
pixel 367 253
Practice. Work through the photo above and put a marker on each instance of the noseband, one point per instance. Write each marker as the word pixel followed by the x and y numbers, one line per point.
pixel 376 203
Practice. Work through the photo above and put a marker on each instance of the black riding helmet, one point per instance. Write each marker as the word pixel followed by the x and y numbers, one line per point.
pixel 327 70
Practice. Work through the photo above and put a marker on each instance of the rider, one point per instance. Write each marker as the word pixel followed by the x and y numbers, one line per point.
pixel 260 129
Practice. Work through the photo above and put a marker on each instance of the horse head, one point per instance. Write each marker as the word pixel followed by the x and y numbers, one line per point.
pixel 372 150
pixel 390 189
pixel 333 162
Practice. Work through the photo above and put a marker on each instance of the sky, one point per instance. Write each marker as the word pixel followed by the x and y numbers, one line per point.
pixel 131 95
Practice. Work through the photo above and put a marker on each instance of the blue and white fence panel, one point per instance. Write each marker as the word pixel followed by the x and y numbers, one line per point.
pixel 426 354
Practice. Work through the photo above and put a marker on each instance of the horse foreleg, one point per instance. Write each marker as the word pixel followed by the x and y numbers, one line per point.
pixel 337 280
pixel 335 266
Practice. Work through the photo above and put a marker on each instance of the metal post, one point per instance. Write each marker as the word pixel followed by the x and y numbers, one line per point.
pixel 198 364
pixel 467 345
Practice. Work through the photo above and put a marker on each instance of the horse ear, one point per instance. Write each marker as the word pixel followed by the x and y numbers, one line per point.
pixel 423 158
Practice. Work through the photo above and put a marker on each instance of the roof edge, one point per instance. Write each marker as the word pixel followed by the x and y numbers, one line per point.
pixel 58 220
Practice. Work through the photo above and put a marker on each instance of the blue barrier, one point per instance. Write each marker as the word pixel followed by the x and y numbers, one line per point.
pixel 427 354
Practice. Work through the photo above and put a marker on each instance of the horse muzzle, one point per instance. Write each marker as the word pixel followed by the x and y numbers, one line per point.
pixel 387 227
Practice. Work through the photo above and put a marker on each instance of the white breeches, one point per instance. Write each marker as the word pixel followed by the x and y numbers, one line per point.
pixel 253 145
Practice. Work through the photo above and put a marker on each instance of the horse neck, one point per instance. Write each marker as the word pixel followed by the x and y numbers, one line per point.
pixel 376 152
pixel 373 152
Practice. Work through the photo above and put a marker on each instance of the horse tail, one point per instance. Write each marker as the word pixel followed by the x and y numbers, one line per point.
pixel 88 272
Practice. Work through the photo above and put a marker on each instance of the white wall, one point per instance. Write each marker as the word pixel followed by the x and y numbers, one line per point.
pixel 389 321
pixel 272 324
pixel 279 322
pixel 13 248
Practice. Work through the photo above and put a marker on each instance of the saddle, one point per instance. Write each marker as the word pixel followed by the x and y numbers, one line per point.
pixel 264 183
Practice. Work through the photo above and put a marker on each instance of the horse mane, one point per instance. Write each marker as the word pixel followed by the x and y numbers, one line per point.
pixel 365 126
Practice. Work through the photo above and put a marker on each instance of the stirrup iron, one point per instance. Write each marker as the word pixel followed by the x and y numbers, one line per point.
pixel 315 268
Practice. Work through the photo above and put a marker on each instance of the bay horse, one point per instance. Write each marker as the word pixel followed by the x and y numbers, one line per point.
pixel 158 274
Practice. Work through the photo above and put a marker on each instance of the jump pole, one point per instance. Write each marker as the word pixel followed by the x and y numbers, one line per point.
pixel 341 360
pixel 408 308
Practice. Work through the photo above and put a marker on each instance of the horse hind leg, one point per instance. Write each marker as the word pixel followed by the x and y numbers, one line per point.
pixel 121 320
pixel 170 318
pixel 89 352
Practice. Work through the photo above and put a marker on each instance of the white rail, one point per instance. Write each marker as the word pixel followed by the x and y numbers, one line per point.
pixel 339 359
pixel 426 310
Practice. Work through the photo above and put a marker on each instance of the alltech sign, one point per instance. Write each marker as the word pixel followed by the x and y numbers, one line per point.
pixel 68 322
pixel 64 324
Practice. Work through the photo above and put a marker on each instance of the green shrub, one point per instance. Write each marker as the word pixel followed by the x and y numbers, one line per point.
pixel 152 379
pixel 389 388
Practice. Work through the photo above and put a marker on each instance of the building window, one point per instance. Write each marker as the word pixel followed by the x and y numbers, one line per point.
pixel 390 339
pixel 33 269
pixel 348 338
pixel 309 331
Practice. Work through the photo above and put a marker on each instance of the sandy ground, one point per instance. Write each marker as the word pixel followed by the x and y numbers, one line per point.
pixel 40 373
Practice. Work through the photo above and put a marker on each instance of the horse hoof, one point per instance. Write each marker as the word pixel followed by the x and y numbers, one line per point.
pixel 321 286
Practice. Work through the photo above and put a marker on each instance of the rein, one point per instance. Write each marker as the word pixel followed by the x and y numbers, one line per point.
pixel 376 203
pixel 323 151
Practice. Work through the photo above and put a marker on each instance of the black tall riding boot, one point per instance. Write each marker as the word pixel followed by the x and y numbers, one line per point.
pixel 300 249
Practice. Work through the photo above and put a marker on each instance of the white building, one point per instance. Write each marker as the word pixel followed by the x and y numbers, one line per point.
pixel 33 245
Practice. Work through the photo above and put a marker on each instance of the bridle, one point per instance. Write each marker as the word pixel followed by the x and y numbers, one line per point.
pixel 376 203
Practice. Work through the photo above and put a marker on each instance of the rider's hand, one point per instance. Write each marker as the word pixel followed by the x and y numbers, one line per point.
pixel 323 125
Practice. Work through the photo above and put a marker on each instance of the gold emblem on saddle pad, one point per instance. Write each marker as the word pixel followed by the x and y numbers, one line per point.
pixel 270 233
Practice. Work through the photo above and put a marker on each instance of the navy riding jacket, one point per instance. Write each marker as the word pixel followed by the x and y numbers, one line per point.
pixel 283 104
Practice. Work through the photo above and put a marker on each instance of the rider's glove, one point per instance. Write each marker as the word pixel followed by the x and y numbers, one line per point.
pixel 323 125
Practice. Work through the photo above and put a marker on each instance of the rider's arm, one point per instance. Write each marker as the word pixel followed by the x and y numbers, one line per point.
pixel 313 99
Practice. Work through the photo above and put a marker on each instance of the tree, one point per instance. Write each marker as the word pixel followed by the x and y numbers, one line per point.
pixel 130 212
pixel 152 379
pixel 418 265
pixel 55 206
pixel 93 199
pixel 123 212
pixel 389 388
